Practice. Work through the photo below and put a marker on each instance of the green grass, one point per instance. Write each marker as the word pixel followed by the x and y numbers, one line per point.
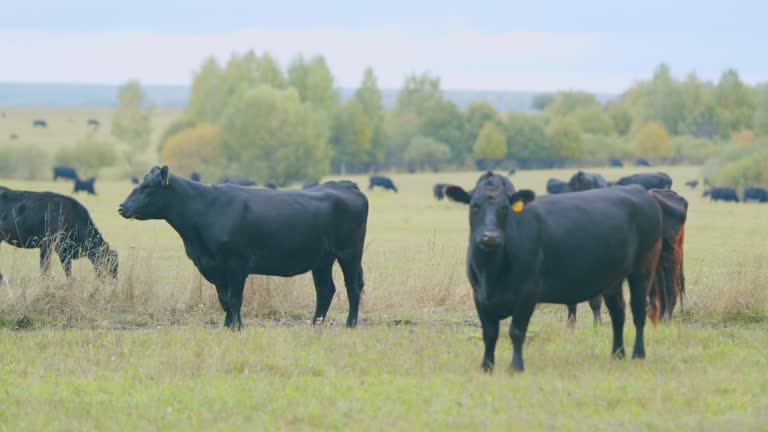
pixel 149 353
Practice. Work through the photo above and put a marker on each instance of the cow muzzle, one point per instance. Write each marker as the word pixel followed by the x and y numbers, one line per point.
pixel 491 239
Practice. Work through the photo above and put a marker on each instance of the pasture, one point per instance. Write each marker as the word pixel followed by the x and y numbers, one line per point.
pixel 149 351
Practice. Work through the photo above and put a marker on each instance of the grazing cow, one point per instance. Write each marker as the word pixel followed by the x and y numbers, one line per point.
pixel 649 181
pixel 437 190
pixel 617 163
pixel 195 176
pixel 511 171
pixel 381 181
pixel 669 283
pixel 693 184
pixel 54 223
pixel 85 186
pixel 582 181
pixel 310 184
pixel 93 122
pixel 755 194
pixel 237 181
pixel 271 185
pixel 134 180
pixel 642 162
pixel 722 194
pixel 64 172
pixel 562 249
pixel 555 186
pixel 40 123
pixel 13 137
pixel 231 232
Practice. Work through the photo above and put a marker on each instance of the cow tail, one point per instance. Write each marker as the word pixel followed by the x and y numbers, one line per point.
pixel 680 279
pixel 656 270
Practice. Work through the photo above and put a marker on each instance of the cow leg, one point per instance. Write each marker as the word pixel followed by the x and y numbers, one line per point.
pixel 66 262
pixel 45 258
pixel 571 315
pixel 490 336
pixel 353 279
pixel 638 286
pixel 235 285
pixel 614 302
pixel 324 290
pixel 517 330
pixel 223 293
pixel 594 304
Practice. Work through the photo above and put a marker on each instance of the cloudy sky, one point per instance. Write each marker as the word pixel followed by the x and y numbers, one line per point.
pixel 600 46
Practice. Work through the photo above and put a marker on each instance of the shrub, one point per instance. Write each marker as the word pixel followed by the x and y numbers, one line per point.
pixel 426 151
pixel 24 162
pixel 88 156
pixel 652 141
pixel 192 149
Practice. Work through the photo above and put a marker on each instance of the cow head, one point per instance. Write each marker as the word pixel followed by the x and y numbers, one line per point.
pixel 148 199
pixel 491 202
pixel 580 182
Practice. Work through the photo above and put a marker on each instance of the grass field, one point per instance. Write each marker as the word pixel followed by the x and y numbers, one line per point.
pixel 148 352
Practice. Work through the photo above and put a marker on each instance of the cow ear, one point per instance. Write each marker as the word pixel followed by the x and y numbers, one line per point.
pixel 519 199
pixel 456 193
pixel 164 175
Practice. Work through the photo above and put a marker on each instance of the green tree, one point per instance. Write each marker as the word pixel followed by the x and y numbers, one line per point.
pixel 620 116
pixel 192 149
pixel 660 100
pixel 652 141
pixel 445 123
pixel 570 101
pixel 269 134
pixel 475 116
pixel 352 136
pixel 313 81
pixel 426 151
pixel 593 120
pixel 735 103
pixel 208 97
pixel 132 122
pixel 419 95
pixel 88 155
pixel 368 96
pixel 761 111
pixel 526 137
pixel 566 139
pixel 491 143
pixel 541 101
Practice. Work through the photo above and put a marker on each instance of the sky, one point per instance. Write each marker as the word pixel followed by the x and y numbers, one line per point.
pixel 538 45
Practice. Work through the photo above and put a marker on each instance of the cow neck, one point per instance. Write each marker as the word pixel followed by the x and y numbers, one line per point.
pixel 190 201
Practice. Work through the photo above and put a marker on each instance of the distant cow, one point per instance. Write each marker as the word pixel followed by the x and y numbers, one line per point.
pixel 93 122
pixel 649 181
pixel 309 184
pixel 195 176
pixel 231 232
pixel 582 181
pixel 555 186
pixel 381 181
pixel 437 191
pixel 669 283
pixel 617 163
pixel 13 137
pixel 755 194
pixel 693 184
pixel 53 223
pixel 40 123
pixel 135 180
pixel 237 181
pixel 64 172
pixel 722 194
pixel 525 250
pixel 85 186
pixel 271 185
pixel 642 162
pixel 511 171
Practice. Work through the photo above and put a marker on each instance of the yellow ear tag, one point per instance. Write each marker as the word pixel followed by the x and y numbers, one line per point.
pixel 167 181
pixel 517 207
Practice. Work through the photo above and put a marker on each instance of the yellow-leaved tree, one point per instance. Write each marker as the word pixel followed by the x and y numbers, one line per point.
pixel 191 149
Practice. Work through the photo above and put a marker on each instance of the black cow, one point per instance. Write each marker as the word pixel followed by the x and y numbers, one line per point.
pixel 54 223
pixel 755 194
pixel 64 172
pixel 134 180
pixel 669 283
pixel 512 171
pixel 195 176
pixel 582 181
pixel 310 184
pixel 381 181
pixel 93 122
pixel 617 163
pixel 230 232
pixel 271 185
pixel 555 186
pixel 722 194
pixel 13 137
pixel 438 190
pixel 524 251
pixel 40 123
pixel 237 181
pixel 85 186
pixel 658 180
pixel 693 184
pixel 642 162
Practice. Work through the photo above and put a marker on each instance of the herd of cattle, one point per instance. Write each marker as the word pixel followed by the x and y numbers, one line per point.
pixel 523 249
